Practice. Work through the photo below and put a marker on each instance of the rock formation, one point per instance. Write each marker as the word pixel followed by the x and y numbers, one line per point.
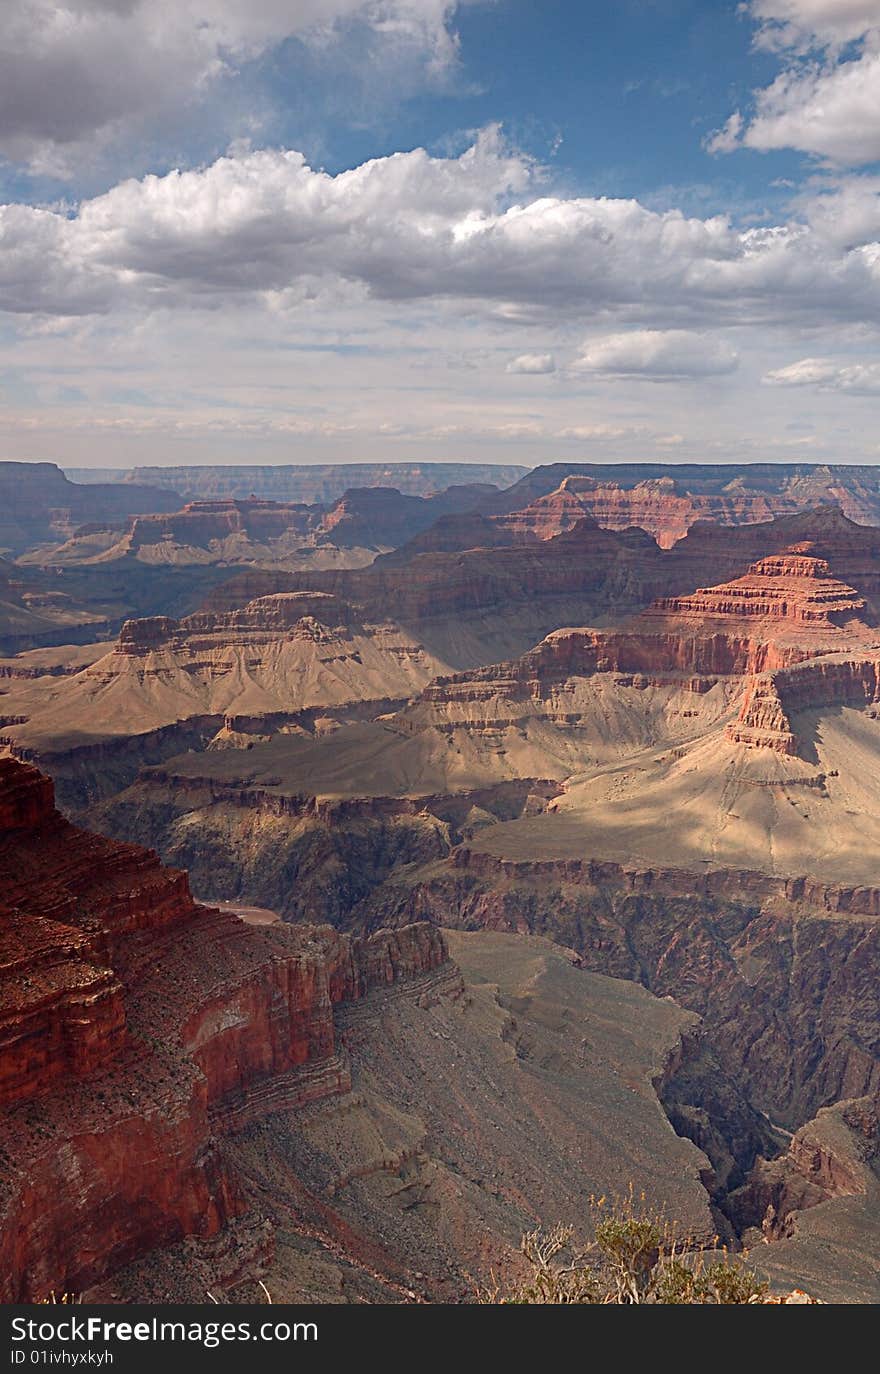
pixel 260 532
pixel 787 609
pixel 664 759
pixel 39 504
pixel 470 1118
pixel 277 657
pixel 783 972
pixel 668 497
pixel 138 1027
pixel 483 604
pixel 383 518
pixel 661 505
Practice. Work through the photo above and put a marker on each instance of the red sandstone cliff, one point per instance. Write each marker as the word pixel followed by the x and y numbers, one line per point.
pixel 666 506
pixel 135 1025
pixel 787 610
pixel 724 492
pixel 659 505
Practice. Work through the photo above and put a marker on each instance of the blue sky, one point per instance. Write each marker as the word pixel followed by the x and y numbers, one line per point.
pixel 618 98
pixel 293 230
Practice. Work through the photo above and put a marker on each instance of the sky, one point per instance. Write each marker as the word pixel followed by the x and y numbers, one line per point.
pixel 494 230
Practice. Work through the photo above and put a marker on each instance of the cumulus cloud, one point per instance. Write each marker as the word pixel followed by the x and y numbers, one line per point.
pixel 846 214
pixel 473 229
pixel 826 98
pixel 532 364
pixel 833 113
pixel 73 72
pixel 806 23
pixel 829 374
pixel 660 355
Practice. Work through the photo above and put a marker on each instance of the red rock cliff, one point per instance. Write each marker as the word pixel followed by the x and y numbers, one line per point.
pixel 135 1025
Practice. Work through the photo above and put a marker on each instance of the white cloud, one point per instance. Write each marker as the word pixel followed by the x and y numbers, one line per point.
pixel 833 113
pixel 725 139
pixel 74 73
pixel 829 374
pixel 409 227
pixel 657 354
pixel 847 214
pixel 808 23
pixel 826 99
pixel 532 364
pixel 604 433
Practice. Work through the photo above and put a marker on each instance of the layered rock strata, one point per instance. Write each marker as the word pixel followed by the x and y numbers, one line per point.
pixel 784 971
pixel 136 1027
pixel 38 503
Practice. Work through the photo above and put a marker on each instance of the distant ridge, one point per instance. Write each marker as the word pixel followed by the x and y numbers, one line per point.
pixel 307 481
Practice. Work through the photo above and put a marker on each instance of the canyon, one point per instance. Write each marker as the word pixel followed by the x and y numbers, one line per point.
pixel 664 498
pixel 263 533
pixel 38 503
pixel 587 762
pixel 189 1101
pixel 184 1023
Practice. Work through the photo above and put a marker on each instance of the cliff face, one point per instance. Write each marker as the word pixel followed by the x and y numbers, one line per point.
pixel 296 852
pixel 38 503
pixel 662 506
pixel 600 569
pixel 279 656
pixel 837 1155
pixel 203 522
pixel 263 532
pixel 135 1027
pixel 788 609
pixel 782 971
pixel 381 517
pixel 674 494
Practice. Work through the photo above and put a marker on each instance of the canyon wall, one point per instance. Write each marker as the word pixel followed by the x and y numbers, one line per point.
pixel 38 503
pixel 137 1027
pixel 783 971
pixel 722 491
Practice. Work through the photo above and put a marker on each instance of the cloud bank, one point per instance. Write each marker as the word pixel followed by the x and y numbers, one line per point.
pixel 78 73
pixel 474 230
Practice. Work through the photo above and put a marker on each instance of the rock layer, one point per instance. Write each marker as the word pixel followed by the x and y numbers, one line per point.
pixel 783 971
pixel 136 1026
pixel 669 497
pixel 38 503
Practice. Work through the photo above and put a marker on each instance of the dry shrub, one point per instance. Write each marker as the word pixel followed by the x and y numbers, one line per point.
pixel 634 1258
